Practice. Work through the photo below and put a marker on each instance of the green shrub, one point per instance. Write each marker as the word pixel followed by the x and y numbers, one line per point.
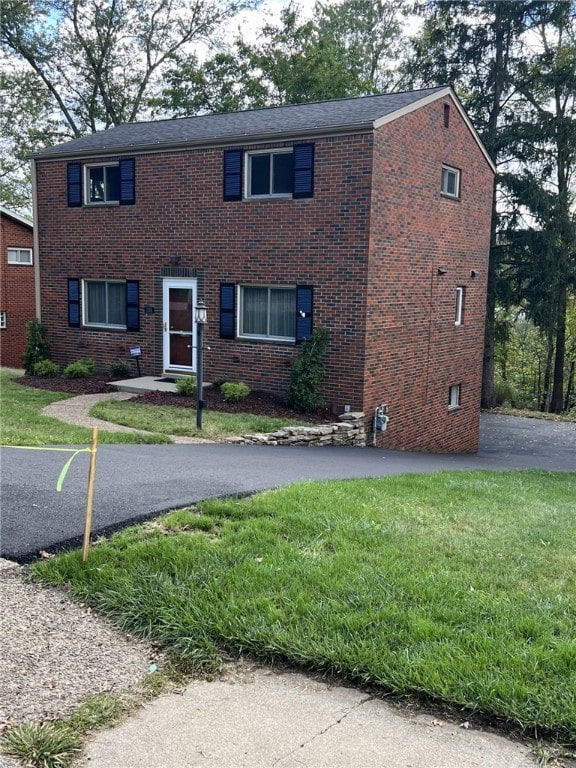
pixel 504 393
pixel 217 383
pixel 186 386
pixel 46 368
pixel 37 347
pixel 80 369
pixel 308 371
pixel 120 369
pixel 235 393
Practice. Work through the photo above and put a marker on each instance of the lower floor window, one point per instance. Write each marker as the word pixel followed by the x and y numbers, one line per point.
pixel 267 312
pixel 2 320
pixel 454 396
pixel 105 303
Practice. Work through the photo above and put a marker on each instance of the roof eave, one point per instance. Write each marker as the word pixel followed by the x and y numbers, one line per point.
pixel 16 217
pixel 252 138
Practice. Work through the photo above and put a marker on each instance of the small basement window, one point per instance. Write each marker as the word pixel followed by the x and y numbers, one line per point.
pixel 450 181
pixel 19 255
pixel 2 320
pixel 454 397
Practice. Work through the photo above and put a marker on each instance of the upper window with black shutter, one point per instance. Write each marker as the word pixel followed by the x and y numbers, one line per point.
pixel 283 172
pixel 102 183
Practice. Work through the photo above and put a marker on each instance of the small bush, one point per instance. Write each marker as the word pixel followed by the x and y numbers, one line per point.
pixel 235 393
pixel 217 383
pixel 308 371
pixel 504 393
pixel 37 347
pixel 120 370
pixel 186 386
pixel 46 368
pixel 80 369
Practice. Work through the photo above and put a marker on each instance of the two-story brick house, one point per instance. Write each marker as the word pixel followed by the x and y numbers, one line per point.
pixel 369 216
pixel 17 288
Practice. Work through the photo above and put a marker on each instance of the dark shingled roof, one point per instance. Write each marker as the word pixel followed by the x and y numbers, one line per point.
pixel 338 115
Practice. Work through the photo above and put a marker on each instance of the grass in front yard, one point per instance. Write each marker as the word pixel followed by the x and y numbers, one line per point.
pixel 182 421
pixel 460 586
pixel 23 422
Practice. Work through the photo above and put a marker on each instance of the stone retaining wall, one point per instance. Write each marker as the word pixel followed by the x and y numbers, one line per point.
pixel 348 431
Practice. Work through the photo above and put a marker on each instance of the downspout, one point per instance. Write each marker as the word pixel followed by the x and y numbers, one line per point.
pixel 36 241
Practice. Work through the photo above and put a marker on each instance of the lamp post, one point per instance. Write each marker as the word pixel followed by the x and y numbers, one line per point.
pixel 200 318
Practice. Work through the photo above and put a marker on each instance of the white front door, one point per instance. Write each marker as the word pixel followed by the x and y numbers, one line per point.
pixel 179 327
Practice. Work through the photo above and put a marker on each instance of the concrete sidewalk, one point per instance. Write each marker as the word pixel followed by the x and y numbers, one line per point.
pixel 260 718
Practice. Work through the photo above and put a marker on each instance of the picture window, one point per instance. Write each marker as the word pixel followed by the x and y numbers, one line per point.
pixel 267 312
pixel 104 303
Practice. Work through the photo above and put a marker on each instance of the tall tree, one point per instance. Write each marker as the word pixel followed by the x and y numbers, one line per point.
pixel 345 49
pixel 475 45
pixel 90 64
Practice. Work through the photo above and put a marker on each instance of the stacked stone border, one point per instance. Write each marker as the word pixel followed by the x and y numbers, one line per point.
pixel 348 431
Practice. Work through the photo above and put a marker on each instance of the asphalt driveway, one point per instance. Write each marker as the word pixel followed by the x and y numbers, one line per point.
pixel 134 482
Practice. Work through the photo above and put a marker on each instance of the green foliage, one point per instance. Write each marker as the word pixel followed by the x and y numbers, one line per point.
pixel 308 372
pixel 187 386
pixel 80 369
pixel 235 393
pixel 120 369
pixel 49 745
pixel 46 368
pixel 37 347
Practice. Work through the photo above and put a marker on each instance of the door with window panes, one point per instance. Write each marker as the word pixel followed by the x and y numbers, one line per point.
pixel 179 327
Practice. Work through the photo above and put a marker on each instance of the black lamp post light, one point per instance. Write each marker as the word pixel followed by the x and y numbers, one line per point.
pixel 200 318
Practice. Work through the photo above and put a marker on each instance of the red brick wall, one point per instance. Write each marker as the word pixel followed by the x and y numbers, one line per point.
pixel 415 351
pixel 16 292
pixel 368 245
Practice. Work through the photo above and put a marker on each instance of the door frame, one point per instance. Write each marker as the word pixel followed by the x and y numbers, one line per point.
pixel 167 283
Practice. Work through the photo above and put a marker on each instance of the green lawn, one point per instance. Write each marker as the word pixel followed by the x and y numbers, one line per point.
pixel 460 586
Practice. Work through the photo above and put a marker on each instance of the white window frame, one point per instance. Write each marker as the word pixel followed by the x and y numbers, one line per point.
pixel 448 172
pixel 248 173
pixel 106 201
pixel 454 397
pixel 460 293
pixel 262 337
pixel 18 260
pixel 85 304
pixel 2 320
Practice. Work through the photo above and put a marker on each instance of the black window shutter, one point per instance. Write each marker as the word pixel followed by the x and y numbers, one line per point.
pixel 132 305
pixel 227 307
pixel 304 307
pixel 233 174
pixel 303 170
pixel 127 181
pixel 74 302
pixel 74 179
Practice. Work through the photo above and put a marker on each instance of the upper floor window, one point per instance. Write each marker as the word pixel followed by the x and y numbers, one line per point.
pixel 104 303
pixel 270 173
pixel 19 255
pixel 454 396
pixel 282 172
pixel 459 319
pixel 450 181
pixel 267 312
pixel 102 183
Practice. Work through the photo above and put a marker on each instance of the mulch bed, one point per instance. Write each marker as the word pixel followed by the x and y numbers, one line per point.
pixel 257 402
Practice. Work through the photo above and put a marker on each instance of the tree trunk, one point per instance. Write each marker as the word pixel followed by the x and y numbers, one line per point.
pixel 557 400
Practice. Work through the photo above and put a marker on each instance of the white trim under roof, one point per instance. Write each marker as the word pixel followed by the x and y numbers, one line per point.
pixel 16 217
pixel 428 100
